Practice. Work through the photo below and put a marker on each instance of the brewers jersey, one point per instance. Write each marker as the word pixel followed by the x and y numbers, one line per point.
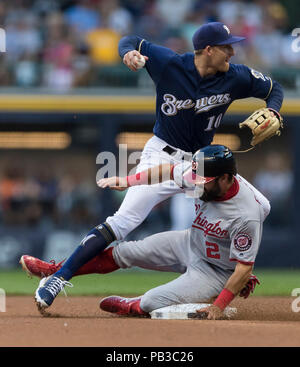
pixel 189 108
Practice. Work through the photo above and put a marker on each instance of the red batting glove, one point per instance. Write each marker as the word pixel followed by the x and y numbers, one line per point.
pixel 249 287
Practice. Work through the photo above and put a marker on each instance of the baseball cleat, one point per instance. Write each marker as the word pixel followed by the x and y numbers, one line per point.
pixel 122 306
pixel 34 266
pixel 48 289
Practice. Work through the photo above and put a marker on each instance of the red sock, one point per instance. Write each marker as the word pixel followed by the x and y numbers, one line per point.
pixel 135 309
pixel 101 264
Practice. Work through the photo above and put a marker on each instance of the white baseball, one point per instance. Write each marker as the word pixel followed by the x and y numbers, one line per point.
pixel 141 61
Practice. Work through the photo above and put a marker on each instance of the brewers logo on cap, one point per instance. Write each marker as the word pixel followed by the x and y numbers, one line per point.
pixel 227 29
pixel 242 242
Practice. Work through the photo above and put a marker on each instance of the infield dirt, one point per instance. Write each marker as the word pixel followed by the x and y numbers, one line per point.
pixel 78 321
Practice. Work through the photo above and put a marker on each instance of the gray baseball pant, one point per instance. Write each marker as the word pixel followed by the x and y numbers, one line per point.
pixel 199 281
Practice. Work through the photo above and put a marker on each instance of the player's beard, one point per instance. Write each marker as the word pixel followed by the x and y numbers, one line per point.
pixel 212 194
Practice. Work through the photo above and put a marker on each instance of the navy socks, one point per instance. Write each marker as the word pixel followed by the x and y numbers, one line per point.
pixel 93 243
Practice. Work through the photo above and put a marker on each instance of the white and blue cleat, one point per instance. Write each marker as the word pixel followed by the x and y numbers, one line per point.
pixel 47 291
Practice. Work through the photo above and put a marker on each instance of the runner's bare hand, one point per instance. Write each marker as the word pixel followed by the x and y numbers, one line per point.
pixel 114 183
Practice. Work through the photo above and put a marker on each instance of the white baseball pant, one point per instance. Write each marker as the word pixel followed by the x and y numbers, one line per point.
pixel 140 200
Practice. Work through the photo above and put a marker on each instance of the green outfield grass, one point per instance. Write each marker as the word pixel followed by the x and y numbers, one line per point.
pixel 273 282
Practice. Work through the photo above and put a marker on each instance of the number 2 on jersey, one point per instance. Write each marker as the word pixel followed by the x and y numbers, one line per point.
pixel 212 250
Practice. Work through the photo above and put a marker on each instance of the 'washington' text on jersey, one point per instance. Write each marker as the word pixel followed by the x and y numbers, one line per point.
pixel 172 105
pixel 213 229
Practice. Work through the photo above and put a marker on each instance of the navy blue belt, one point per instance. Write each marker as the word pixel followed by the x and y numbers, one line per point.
pixel 169 150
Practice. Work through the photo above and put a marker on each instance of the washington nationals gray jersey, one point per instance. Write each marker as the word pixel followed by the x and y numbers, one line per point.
pixel 230 229
pixel 222 233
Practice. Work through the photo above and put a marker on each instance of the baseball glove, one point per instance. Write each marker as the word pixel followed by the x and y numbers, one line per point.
pixel 264 123
pixel 249 287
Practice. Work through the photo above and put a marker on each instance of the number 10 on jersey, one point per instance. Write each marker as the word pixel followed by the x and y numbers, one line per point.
pixel 214 122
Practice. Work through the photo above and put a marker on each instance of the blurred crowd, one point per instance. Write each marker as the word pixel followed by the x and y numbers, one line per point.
pixel 50 197
pixel 62 44
pixel 47 199
pixel 275 179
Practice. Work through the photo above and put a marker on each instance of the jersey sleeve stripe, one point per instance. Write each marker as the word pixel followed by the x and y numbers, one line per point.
pixel 271 87
pixel 243 262
pixel 140 45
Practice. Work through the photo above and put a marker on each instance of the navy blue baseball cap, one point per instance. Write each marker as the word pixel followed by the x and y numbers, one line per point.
pixel 213 34
pixel 210 162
